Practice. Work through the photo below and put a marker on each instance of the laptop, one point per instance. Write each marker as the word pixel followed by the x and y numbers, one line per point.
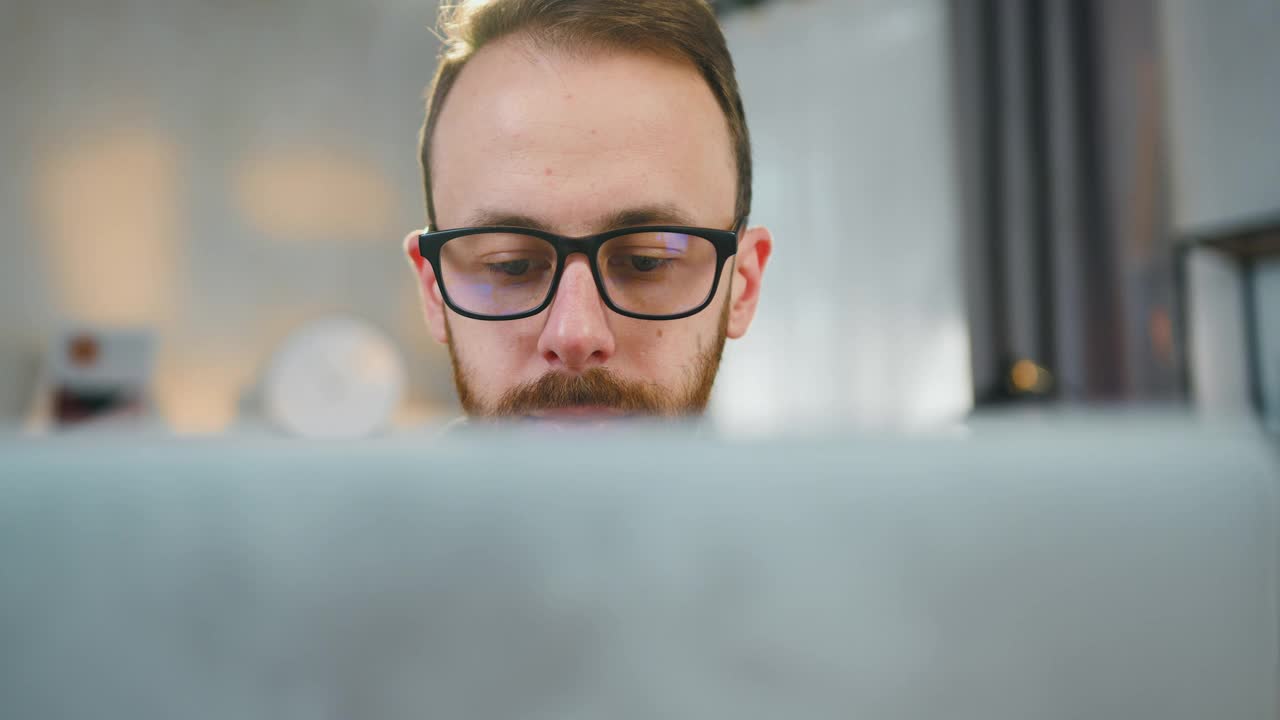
pixel 1101 568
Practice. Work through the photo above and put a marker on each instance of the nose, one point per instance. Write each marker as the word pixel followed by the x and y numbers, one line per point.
pixel 577 336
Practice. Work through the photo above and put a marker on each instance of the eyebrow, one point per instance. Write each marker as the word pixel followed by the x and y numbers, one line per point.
pixel 656 214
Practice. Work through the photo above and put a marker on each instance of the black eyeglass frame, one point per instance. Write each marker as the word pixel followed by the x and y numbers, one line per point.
pixel 724 241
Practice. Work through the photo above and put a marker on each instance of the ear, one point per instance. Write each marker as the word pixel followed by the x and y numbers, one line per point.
pixel 428 289
pixel 748 269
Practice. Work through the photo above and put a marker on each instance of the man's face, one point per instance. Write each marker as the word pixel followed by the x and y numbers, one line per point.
pixel 575 145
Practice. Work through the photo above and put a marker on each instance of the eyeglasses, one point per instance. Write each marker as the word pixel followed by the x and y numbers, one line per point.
pixel 655 272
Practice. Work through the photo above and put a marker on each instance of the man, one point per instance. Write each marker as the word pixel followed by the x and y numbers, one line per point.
pixel 588 179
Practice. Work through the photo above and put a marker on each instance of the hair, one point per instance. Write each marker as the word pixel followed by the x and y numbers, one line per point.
pixel 680 29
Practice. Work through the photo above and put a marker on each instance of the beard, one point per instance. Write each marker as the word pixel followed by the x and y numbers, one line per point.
pixel 600 387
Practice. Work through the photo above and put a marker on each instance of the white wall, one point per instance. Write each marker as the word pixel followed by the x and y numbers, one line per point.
pixel 1223 89
pixel 218 171
pixel 861 319
pixel 1218 344
pixel 1266 303
pixel 1222 68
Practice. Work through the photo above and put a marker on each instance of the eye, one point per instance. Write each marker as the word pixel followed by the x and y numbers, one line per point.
pixel 514 268
pixel 644 263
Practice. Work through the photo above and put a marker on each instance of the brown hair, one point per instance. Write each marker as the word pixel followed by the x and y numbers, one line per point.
pixel 675 28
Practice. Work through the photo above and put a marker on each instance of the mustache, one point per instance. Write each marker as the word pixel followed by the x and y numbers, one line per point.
pixel 595 387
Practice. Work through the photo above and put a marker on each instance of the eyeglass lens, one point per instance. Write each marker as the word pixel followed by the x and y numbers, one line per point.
pixel 652 273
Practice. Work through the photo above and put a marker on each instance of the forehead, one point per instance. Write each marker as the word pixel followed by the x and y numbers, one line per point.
pixel 571 139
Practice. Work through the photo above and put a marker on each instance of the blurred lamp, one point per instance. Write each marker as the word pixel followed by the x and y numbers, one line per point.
pixel 336 377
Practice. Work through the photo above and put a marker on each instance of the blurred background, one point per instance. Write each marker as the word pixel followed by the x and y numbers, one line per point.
pixel 977 204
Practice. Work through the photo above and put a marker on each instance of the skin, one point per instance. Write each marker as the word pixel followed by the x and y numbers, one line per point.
pixel 572 144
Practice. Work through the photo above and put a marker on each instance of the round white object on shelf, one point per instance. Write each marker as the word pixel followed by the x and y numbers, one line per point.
pixel 337 377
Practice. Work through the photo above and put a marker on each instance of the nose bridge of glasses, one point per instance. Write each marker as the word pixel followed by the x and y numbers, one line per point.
pixel 576 274
pixel 568 247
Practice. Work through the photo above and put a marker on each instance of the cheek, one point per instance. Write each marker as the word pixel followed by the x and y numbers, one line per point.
pixel 495 351
pixel 661 350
